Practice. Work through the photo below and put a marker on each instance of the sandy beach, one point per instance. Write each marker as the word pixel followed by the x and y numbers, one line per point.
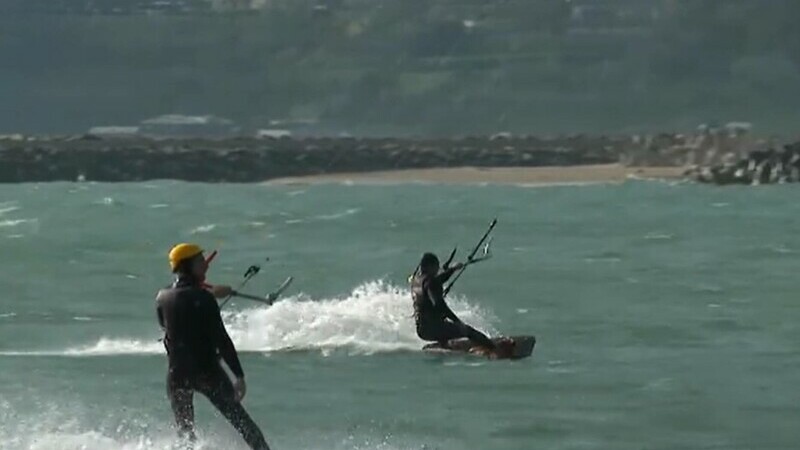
pixel 607 173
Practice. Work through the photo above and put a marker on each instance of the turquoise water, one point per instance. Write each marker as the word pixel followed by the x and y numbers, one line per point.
pixel 666 315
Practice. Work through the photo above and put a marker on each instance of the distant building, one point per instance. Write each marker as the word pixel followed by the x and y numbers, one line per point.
pixel 296 127
pixel 739 127
pixel 273 134
pixel 114 131
pixel 179 126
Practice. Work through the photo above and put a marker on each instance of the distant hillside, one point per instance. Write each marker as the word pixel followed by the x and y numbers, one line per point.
pixel 401 66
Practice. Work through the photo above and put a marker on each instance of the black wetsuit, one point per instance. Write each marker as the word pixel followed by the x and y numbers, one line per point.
pixel 431 313
pixel 195 338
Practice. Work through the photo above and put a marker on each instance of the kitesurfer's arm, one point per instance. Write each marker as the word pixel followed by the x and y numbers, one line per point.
pixel 448 272
pixel 160 314
pixel 221 291
pixel 160 317
pixel 436 294
pixel 224 344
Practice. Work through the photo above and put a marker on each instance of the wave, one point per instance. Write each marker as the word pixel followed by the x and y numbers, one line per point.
pixel 15 222
pixel 338 215
pixel 7 209
pixel 656 236
pixel 107 201
pixel 103 347
pixel 374 318
pixel 322 217
pixel 203 229
pixel 554 184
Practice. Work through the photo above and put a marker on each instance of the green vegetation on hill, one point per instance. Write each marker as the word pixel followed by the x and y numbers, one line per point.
pixel 412 66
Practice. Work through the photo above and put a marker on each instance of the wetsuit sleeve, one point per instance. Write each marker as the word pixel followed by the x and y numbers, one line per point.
pixel 160 313
pixel 445 275
pixel 436 294
pixel 223 342
pixel 160 317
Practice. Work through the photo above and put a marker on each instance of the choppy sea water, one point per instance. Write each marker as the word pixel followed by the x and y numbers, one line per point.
pixel 666 315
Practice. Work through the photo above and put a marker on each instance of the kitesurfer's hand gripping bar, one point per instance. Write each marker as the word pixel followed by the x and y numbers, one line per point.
pixel 249 274
pixel 269 299
pixel 471 258
pixel 449 261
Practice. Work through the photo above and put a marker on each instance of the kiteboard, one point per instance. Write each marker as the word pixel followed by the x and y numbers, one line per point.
pixel 512 347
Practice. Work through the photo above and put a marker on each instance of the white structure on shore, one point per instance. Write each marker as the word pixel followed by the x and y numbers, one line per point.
pixel 273 134
pixel 114 131
pixel 180 126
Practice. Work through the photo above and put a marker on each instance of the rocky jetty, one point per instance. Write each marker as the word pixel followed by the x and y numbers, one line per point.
pixel 720 157
pixel 758 167
pixel 90 158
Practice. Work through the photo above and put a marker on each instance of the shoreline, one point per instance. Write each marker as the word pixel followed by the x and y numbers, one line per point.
pixel 552 175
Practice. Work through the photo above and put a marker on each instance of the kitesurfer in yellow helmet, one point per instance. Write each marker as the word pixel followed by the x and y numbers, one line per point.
pixel 185 252
pixel 195 339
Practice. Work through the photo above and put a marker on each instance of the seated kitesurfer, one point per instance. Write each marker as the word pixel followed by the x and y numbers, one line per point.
pixel 195 339
pixel 434 319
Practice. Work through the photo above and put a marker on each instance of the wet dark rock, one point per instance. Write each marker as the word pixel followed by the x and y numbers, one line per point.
pixel 758 167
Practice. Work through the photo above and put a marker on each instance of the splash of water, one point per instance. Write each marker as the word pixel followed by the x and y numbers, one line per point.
pixel 68 424
pixel 375 317
pixel 57 427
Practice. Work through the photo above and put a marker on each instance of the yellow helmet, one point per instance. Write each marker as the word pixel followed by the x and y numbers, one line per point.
pixel 182 252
